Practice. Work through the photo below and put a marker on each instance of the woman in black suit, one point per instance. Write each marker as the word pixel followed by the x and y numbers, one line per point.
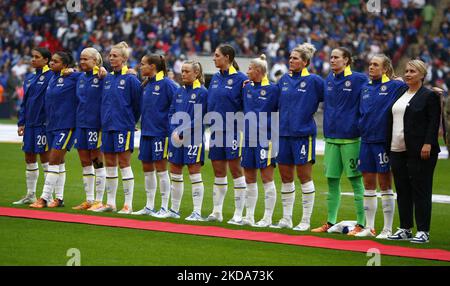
pixel 413 128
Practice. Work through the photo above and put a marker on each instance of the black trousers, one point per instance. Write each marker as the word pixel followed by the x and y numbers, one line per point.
pixel 413 178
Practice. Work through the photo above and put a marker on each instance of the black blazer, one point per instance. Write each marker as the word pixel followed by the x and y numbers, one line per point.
pixel 421 121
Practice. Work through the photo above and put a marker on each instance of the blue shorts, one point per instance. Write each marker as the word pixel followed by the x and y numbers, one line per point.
pixel 258 157
pixel 61 139
pixel 117 141
pixel 88 138
pixel 189 155
pixel 152 149
pixel 34 140
pixel 226 152
pixel 373 158
pixel 297 150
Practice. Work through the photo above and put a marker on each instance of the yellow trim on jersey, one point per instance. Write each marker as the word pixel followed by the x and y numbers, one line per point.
pixel 310 148
pixel 62 72
pixel 265 81
pixel 347 71
pixel 196 84
pixel 159 76
pixel 305 72
pixel 199 153
pixel 45 69
pixel 127 145
pixel 269 154
pixel 385 79
pixel 67 139
pixel 232 70
pixel 122 71
pixel 166 144
pixel 241 139
pixel 95 70
pixel 99 140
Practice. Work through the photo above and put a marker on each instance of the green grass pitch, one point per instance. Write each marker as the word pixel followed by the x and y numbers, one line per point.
pixel 34 242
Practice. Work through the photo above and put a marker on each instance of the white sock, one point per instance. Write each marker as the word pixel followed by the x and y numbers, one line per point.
pixel 45 167
pixel 239 196
pixel 308 196
pixel 219 191
pixel 150 188
pixel 288 199
pixel 59 188
pixel 388 204
pixel 270 198
pixel 177 190
pixel 251 197
pixel 112 180
pixel 50 182
pixel 197 192
pixel 89 181
pixel 100 181
pixel 370 207
pixel 164 187
pixel 128 185
pixel 32 175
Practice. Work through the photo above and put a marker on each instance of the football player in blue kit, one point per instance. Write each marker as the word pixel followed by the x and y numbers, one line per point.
pixel 88 133
pixel 158 91
pixel 186 146
pixel 260 99
pixel 120 111
pixel 32 119
pixel 377 97
pixel 225 148
pixel 301 93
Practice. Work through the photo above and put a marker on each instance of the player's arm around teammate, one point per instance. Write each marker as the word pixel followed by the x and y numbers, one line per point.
pixel 120 111
pixel 376 98
pixel 31 123
pixel 60 109
pixel 342 138
pixel 260 101
pixel 225 96
pixel 88 133
pixel 186 147
pixel 301 93
pixel 158 91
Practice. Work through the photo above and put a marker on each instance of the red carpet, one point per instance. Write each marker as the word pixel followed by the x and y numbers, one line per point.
pixel 214 231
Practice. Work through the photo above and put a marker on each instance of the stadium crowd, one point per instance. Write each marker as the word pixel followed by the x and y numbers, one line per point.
pixel 181 29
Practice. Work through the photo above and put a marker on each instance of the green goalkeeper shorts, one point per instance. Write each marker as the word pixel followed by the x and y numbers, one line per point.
pixel 339 157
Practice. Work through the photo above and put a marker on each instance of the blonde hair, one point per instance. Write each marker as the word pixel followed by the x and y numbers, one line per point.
pixel 261 63
pixel 197 68
pixel 306 51
pixel 419 65
pixel 123 47
pixel 95 54
pixel 387 64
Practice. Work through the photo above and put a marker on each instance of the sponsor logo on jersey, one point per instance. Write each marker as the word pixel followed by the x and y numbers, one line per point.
pixel 348 83
pixel 230 81
pixel 263 92
pixel 157 87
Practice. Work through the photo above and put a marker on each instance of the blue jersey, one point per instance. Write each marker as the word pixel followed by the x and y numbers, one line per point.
pixel 225 94
pixel 121 101
pixel 376 99
pixel 300 96
pixel 89 94
pixel 156 100
pixel 32 109
pixel 61 102
pixel 341 104
pixel 190 100
pixel 259 98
